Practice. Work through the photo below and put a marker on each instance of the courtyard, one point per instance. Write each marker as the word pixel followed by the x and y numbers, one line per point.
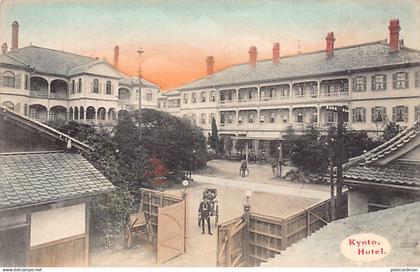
pixel 284 198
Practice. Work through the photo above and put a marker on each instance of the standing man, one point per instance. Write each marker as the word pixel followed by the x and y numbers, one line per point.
pixel 204 212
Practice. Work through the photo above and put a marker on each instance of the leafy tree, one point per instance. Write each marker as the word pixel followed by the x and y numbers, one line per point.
pixel 391 130
pixel 213 139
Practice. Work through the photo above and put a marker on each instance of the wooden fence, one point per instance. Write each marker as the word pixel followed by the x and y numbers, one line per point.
pixel 270 235
pixel 150 202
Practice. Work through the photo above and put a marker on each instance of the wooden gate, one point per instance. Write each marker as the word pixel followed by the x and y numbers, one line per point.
pixel 171 231
pixel 231 241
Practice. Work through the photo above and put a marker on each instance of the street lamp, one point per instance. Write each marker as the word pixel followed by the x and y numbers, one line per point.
pixel 140 51
pixel 192 162
pixel 248 195
pixel 280 149
pixel 185 184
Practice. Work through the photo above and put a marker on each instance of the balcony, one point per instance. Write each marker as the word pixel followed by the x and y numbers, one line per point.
pixel 43 93
pixel 334 95
pixel 63 96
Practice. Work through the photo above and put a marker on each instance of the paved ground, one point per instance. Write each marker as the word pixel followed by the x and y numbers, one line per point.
pixel 284 198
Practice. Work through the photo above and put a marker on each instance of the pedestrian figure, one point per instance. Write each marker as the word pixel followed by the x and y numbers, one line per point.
pixel 273 167
pixel 204 212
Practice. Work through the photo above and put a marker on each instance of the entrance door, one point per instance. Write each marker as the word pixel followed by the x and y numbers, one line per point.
pixel 171 231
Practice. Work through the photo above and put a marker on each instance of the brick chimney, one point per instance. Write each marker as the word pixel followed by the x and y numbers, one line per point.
pixel 276 52
pixel 210 65
pixel 15 35
pixel 394 35
pixel 253 56
pixel 330 44
pixel 4 48
pixel 116 56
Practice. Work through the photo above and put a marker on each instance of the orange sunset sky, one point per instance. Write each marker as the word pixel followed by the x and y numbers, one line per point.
pixel 177 36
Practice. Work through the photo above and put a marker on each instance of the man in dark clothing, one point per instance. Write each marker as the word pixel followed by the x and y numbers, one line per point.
pixel 204 212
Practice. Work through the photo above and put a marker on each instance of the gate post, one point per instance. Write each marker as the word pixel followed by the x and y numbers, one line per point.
pixel 228 258
pixel 246 217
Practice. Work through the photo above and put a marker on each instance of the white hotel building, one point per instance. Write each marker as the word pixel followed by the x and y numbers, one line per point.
pixel 46 84
pixel 259 100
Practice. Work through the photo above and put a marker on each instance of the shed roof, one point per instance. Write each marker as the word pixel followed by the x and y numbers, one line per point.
pixel 33 178
pixel 398 225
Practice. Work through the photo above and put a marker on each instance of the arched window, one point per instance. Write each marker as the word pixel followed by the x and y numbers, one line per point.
pixel 72 86
pixel 79 85
pixel 101 113
pixel 81 113
pixel 71 114
pixel 95 86
pixel 8 79
pixel 9 105
pixel 108 87
pixel 76 113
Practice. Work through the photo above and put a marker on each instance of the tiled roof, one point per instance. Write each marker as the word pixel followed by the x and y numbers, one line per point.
pixel 49 61
pixel 345 59
pixel 366 168
pixel 35 178
pixel 398 225
pixel 127 80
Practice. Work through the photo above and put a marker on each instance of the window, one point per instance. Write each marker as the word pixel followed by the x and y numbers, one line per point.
pixel 26 82
pixel 299 91
pixel 194 98
pixel 185 98
pixel 203 97
pixel 230 95
pixel 417 113
pixel 299 117
pixel 230 118
pixel 213 96
pixel 400 80
pixel 95 86
pixel 79 85
pixel 314 117
pixel 149 95
pixel 378 114
pixel 359 115
pixel 32 113
pixel 272 93
pixel 250 94
pixel 400 114
pixel 378 82
pixel 285 117
pixel 359 84
pixel 417 84
pixel 251 118
pixel 52 115
pixel 272 117
pixel 284 93
pixel 262 117
pixel 73 83
pixel 203 119
pixel 8 79
pixel 240 119
pixel 108 87
pixel 330 117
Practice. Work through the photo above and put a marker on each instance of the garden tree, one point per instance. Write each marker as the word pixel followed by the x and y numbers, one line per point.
pixel 391 130
pixel 213 139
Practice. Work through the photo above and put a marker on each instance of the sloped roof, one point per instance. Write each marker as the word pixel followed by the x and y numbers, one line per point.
pixel 398 225
pixel 364 56
pixel 9 60
pixel 50 61
pixel 35 178
pixel 365 167
pixel 132 80
pixel 28 123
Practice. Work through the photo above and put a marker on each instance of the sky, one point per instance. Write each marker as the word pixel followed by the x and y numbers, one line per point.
pixel 178 35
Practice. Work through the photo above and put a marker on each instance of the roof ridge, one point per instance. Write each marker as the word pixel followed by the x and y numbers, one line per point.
pixel 55 50
pixel 32 152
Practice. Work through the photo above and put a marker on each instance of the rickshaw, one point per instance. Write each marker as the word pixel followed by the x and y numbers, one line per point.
pixel 211 195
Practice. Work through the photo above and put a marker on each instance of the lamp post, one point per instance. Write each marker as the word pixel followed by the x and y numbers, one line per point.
pixel 192 162
pixel 140 52
pixel 280 149
pixel 246 217
pixel 338 151
pixel 185 184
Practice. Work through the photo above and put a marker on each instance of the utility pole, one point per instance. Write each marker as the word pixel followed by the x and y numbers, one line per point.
pixel 140 51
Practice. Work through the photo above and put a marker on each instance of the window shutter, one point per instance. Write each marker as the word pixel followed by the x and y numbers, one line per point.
pixel 18 81
pixel 406 114
pixel 406 80
pixel 364 83
pixel 373 83
pixel 364 115
pixel 394 81
pixel 384 82
pixel 373 115
pixel 393 114
pixel 353 115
